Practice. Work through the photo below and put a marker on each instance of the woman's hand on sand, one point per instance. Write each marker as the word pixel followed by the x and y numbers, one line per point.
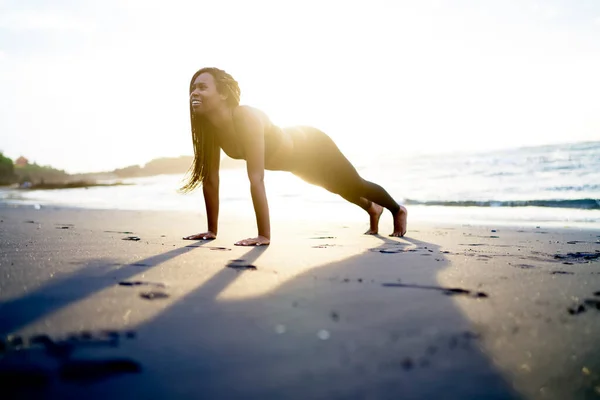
pixel 201 236
pixel 257 241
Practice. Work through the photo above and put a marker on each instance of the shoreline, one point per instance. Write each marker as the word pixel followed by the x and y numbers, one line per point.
pixel 431 215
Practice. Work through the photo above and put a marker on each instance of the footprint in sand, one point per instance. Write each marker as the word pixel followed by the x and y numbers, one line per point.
pixel 446 291
pixel 578 257
pixel 582 307
pixel 523 266
pixel 400 248
pixel 140 265
pixel 142 283
pixel 465 292
pixel 390 250
pixel 323 246
pixel 154 295
pixel 242 267
pixel 209 247
pixel 396 250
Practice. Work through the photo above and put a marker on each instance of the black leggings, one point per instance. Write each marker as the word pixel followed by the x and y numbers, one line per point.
pixel 318 160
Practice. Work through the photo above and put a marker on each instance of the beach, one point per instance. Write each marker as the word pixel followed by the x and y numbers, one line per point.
pixel 106 303
pixel 481 118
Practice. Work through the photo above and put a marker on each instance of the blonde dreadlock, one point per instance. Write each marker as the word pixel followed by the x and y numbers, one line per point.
pixel 203 138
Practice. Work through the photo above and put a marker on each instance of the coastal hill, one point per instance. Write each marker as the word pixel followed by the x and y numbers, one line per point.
pixel 31 175
pixel 158 166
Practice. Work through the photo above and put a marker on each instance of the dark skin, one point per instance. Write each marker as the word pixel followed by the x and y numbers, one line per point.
pixel 240 132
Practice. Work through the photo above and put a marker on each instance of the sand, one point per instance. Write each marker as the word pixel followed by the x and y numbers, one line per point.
pixel 449 312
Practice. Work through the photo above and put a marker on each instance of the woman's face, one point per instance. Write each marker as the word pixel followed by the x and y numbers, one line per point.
pixel 204 95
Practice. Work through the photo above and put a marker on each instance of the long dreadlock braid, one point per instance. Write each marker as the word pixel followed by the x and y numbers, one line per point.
pixel 202 137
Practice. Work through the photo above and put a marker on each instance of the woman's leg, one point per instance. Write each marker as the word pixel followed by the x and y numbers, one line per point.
pixel 370 197
pixel 319 161
pixel 373 209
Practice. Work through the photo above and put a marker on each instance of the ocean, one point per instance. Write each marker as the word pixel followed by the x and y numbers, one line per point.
pixel 556 185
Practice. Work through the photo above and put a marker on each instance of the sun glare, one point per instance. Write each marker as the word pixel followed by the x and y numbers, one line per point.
pixel 394 78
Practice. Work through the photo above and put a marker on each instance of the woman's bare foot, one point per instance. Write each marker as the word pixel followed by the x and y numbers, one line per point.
pixel 375 212
pixel 400 222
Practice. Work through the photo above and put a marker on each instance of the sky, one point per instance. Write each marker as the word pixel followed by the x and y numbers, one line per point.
pixel 90 85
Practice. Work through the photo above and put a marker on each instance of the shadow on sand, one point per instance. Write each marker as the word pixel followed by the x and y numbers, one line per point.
pixel 373 326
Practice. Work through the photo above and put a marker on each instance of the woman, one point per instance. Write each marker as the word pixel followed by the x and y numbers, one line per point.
pixel 243 132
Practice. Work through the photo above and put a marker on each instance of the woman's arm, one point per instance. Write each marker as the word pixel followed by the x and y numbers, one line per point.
pixel 251 131
pixel 210 189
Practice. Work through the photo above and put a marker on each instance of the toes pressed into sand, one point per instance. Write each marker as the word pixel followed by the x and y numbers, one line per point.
pixel 375 212
pixel 400 221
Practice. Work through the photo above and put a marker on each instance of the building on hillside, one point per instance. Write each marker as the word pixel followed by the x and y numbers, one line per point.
pixel 21 161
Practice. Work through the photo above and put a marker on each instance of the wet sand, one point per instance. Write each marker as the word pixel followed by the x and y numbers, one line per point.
pixel 113 304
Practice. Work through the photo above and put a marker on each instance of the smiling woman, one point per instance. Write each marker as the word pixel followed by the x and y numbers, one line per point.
pixel 219 122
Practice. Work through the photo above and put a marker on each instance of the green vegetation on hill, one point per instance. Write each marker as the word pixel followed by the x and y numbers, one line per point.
pixel 7 170
pixel 32 175
pixel 35 173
